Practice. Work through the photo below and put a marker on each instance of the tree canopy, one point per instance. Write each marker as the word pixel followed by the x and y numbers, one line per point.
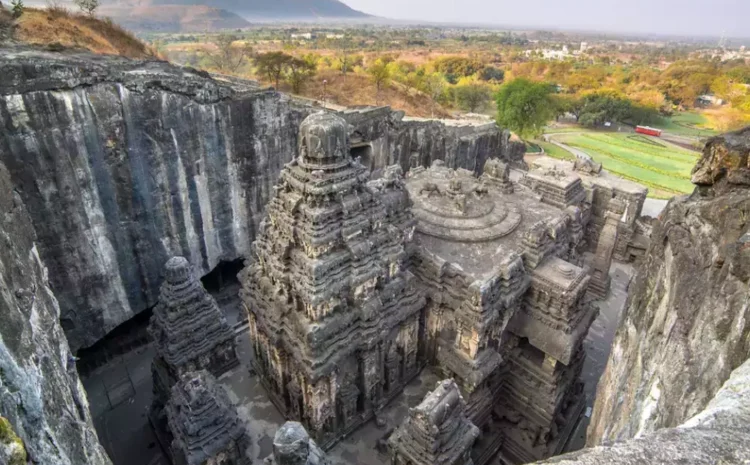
pixel 524 106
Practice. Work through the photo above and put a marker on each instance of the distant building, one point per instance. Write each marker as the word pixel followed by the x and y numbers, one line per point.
pixel 306 35
pixel 584 46
pixel 334 36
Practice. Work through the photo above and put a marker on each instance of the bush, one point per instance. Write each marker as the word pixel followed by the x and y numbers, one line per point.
pixel 490 73
pixel 17 7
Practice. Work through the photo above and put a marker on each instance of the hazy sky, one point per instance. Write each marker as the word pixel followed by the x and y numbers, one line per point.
pixel 693 17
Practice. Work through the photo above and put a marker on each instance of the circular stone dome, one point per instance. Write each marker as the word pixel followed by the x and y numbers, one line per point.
pixel 323 139
pixel 177 270
pixel 566 270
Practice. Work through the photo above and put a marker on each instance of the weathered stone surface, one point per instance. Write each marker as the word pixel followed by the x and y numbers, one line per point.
pixel 204 423
pixel 333 313
pixel 687 325
pixel 124 164
pixel 506 314
pixel 189 330
pixel 608 195
pixel 718 435
pixel 293 446
pixel 40 393
pixel 436 432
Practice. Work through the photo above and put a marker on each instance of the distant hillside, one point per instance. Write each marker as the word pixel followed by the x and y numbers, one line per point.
pixel 173 18
pixel 262 9
pixel 62 28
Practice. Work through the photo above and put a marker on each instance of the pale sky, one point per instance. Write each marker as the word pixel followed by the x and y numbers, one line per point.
pixel 686 17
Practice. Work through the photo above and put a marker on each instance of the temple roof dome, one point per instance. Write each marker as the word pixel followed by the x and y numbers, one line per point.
pixel 323 139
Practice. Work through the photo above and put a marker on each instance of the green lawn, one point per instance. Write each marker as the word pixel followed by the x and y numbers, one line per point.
pixel 648 161
pixel 686 123
pixel 554 151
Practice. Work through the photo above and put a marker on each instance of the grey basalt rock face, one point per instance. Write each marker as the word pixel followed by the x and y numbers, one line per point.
pixel 718 435
pixel 125 163
pixel 40 393
pixel 687 323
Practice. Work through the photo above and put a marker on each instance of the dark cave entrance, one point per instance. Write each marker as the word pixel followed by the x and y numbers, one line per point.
pixel 364 153
pixel 223 275
pixel 221 282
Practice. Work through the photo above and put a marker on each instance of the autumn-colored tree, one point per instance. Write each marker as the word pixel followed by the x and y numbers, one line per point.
pixel 380 74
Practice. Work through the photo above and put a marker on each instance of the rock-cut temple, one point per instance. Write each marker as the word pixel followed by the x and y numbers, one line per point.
pixel 355 285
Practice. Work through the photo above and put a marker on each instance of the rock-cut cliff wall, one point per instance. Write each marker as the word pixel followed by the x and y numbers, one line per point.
pixel 42 401
pixel 687 323
pixel 124 164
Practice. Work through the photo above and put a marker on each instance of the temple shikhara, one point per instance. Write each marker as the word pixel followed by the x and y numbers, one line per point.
pixel 334 313
pixel 355 286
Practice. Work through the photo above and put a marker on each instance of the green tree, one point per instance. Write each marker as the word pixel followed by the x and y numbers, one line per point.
pixel 490 73
pixel 272 65
pixel 17 7
pixel 433 84
pixel 380 74
pixel 568 103
pixel 471 97
pixel 298 71
pixel 524 106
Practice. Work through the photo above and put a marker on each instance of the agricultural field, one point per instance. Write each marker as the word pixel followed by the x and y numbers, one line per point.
pixel 662 167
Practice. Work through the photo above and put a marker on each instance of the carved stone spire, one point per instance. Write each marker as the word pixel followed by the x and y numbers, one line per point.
pixel 189 330
pixel 436 432
pixel 328 294
pixel 204 423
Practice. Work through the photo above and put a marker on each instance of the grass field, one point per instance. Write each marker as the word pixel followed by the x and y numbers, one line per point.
pixel 646 160
pixel 686 123
pixel 555 152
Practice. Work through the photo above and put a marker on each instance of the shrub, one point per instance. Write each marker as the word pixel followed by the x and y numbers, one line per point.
pixel 17 7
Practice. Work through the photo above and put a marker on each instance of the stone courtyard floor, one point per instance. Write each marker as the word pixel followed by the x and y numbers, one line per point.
pixel 120 395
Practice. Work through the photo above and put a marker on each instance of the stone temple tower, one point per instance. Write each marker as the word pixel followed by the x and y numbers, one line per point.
pixel 190 333
pixel 334 316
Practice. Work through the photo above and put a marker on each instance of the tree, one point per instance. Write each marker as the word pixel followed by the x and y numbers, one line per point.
pixel 228 57
pixel 456 66
pixel 490 73
pixel 298 71
pixel 471 97
pixel 380 73
pixel 433 85
pixel 568 103
pixel 87 6
pixel 524 106
pixel 601 107
pixel 17 7
pixel 272 65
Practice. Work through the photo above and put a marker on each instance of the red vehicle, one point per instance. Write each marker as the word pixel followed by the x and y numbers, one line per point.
pixel 648 131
